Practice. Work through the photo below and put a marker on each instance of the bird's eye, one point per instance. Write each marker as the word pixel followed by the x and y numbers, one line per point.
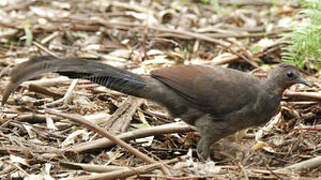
pixel 290 74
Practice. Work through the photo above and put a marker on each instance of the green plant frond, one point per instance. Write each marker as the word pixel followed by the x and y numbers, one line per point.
pixel 304 46
pixel 311 4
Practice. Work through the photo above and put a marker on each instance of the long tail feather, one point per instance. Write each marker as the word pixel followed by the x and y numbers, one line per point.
pixel 111 77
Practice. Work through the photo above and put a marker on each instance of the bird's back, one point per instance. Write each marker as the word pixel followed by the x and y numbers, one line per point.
pixel 211 89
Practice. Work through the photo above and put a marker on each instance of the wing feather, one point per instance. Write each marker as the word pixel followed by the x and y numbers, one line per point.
pixel 211 89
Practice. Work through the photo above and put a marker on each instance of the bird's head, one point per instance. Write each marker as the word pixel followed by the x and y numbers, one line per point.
pixel 285 75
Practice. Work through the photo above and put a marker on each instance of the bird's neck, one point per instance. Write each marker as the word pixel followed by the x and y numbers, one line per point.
pixel 274 87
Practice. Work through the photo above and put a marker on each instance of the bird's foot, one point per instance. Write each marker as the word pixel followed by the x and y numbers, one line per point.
pixel 203 150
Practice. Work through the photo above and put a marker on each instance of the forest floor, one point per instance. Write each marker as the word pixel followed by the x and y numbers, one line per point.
pixel 141 36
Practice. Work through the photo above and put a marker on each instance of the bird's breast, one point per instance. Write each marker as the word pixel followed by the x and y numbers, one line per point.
pixel 268 107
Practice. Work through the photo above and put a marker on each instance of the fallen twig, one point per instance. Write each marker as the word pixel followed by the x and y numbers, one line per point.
pixel 306 95
pixel 139 133
pixel 112 138
pixel 308 164
pixel 128 171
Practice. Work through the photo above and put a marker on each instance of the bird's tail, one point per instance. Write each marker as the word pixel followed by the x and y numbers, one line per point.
pixel 108 76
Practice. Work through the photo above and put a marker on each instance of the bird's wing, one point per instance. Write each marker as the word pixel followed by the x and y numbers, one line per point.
pixel 211 89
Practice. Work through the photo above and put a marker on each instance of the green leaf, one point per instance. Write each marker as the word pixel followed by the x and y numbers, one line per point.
pixel 28 33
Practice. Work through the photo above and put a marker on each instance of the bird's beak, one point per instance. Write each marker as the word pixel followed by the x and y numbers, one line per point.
pixel 303 81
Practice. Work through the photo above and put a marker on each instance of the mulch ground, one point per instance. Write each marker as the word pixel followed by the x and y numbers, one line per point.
pixel 141 36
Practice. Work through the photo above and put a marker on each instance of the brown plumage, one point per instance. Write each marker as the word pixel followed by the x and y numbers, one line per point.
pixel 218 101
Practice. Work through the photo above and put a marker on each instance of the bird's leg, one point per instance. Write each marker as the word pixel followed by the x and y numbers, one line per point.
pixel 211 131
pixel 203 148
